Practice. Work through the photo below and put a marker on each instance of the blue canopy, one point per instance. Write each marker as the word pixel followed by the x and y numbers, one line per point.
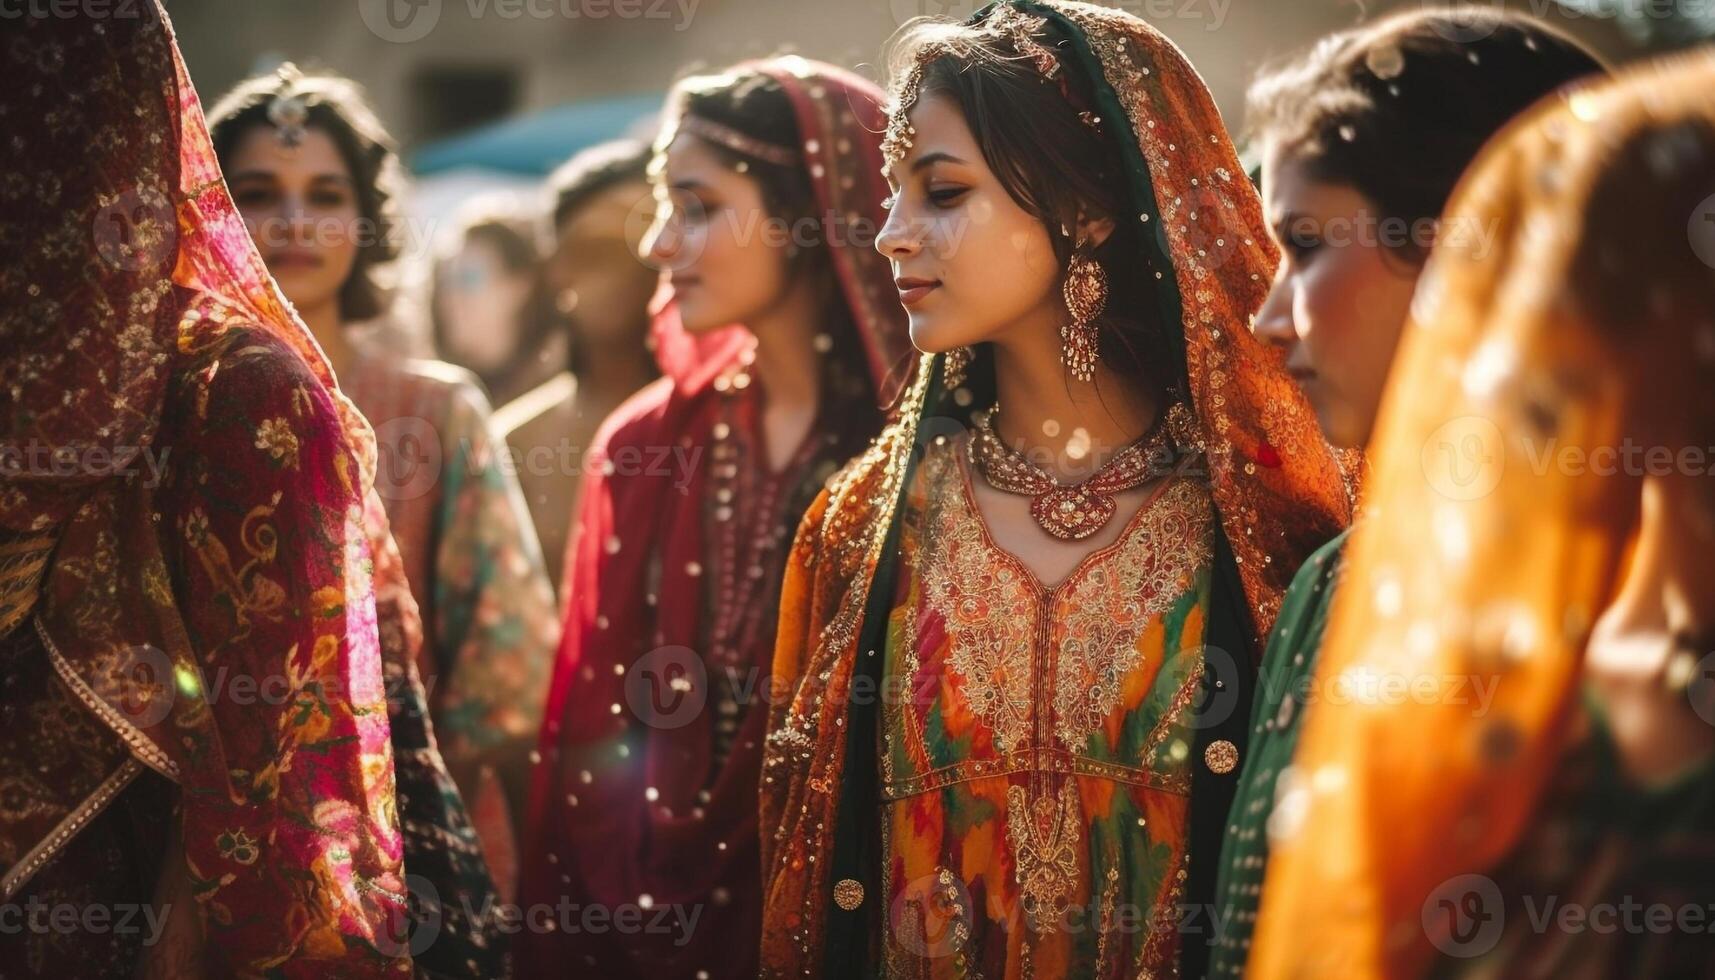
pixel 535 144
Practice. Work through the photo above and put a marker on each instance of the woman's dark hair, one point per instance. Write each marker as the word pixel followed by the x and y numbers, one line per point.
pixel 1638 280
pixel 336 106
pixel 513 238
pixel 1399 108
pixel 1056 167
pixel 591 172
pixel 756 105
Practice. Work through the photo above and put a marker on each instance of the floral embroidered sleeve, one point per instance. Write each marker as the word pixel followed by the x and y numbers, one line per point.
pixel 290 830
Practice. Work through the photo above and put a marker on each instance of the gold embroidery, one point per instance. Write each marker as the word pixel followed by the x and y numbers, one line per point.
pixel 897 713
pixel 1104 612
pixel 990 610
pixel 23 563
pixel 953 895
pixel 276 438
pixel 1106 929
pixel 1169 718
pixel 1043 832
pixel 1221 757
pixel 848 893
pixel 993 609
pixel 1160 945
pixel 254 594
pixel 929 921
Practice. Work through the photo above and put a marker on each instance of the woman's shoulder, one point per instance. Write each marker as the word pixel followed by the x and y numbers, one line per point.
pixel 639 421
pixel 240 369
pixel 246 415
pixel 1313 585
pixel 548 409
pixel 1325 561
pixel 421 376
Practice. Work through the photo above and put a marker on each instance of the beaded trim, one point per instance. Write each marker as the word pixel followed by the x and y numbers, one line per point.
pixel 50 846
pixel 732 139
pixel 139 743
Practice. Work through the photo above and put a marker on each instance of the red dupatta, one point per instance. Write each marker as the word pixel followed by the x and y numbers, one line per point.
pixel 138 318
pixel 624 812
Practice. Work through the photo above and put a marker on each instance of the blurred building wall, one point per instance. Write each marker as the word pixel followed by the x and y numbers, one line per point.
pixel 437 66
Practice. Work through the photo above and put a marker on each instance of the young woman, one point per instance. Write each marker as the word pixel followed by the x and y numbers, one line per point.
pixel 1362 140
pixel 490 305
pixel 1538 570
pixel 768 179
pixel 602 356
pixel 316 179
pixel 1056 574
pixel 195 740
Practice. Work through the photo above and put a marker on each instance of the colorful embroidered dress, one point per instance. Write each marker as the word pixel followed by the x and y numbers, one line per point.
pixel 1041 766
pixel 476 573
pixel 1074 752
pixel 652 742
pixel 190 639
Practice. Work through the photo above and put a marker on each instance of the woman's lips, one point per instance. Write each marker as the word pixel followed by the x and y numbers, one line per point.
pixel 295 260
pixel 912 291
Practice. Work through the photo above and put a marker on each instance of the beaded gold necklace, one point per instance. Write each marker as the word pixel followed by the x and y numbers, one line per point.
pixel 1070 512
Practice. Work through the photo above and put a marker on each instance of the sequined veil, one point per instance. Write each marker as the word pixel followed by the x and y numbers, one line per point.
pixel 139 318
pixel 1581 299
pixel 627 803
pixel 1277 488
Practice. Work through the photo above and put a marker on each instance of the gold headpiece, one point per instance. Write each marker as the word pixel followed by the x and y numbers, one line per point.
pixel 732 139
pixel 1008 22
pixel 287 110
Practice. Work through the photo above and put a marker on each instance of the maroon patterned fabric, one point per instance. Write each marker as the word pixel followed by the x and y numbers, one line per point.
pixel 140 327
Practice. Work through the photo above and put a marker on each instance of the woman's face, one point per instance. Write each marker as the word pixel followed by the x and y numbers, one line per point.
pixel 1339 299
pixel 480 301
pixel 969 263
pixel 714 239
pixel 300 204
pixel 597 281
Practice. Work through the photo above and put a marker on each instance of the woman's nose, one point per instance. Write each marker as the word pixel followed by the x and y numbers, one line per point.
pixel 1273 324
pixel 897 239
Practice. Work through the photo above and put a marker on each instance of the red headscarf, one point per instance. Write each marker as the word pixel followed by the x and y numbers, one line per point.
pixel 596 834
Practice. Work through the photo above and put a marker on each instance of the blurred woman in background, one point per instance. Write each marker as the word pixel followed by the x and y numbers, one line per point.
pixel 776 349
pixel 600 355
pixel 490 306
pixel 1362 140
pixel 317 181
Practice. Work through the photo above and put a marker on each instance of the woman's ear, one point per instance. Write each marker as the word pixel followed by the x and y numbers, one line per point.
pixel 1093 231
